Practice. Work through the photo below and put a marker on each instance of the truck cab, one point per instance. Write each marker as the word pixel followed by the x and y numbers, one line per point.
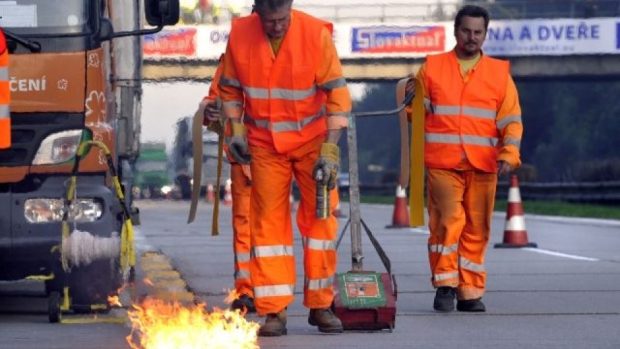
pixel 71 81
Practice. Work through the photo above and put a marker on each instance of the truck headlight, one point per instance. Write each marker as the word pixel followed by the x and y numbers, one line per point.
pixel 51 210
pixel 58 148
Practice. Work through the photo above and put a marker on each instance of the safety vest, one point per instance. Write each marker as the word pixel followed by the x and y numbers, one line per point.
pixel 461 114
pixel 5 95
pixel 284 107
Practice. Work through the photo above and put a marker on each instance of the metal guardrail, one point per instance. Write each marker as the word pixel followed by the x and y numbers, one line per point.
pixel 607 193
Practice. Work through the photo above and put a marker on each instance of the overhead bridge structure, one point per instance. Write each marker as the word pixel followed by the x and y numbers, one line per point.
pixel 382 69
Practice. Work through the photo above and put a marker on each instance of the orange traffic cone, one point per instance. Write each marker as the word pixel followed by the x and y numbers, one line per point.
pixel 228 193
pixel 210 194
pixel 515 234
pixel 400 218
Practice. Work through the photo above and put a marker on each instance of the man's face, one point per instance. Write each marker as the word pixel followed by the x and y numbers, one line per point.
pixel 275 22
pixel 470 35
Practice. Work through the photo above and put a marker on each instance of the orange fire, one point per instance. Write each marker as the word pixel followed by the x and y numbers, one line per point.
pixel 114 301
pixel 158 324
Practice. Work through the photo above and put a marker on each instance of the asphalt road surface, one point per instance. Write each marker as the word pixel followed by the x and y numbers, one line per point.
pixel 563 294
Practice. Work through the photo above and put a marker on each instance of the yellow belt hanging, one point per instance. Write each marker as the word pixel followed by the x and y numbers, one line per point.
pixel 127 253
pixel 416 185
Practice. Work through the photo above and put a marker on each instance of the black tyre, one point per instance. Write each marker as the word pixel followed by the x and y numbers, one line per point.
pixel 53 307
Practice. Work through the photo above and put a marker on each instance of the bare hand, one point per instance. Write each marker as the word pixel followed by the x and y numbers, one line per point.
pixel 503 168
pixel 210 109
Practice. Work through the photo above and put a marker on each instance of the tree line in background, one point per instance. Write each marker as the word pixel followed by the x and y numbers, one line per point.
pixel 572 132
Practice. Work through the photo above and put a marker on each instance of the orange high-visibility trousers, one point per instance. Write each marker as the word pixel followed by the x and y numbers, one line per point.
pixel 241 189
pixel 460 204
pixel 272 264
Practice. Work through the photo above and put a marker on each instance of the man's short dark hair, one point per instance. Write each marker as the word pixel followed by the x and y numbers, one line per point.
pixel 470 11
pixel 270 4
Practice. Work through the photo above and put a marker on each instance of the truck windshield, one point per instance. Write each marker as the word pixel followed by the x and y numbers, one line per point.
pixel 44 16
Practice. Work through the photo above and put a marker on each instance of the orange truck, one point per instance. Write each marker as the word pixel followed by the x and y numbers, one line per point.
pixel 75 75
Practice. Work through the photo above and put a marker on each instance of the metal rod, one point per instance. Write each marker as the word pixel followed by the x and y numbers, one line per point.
pixel 354 191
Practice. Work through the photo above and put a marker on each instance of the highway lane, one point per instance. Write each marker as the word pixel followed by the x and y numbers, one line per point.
pixel 563 294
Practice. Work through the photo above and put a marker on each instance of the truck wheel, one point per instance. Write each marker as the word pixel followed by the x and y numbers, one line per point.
pixel 53 307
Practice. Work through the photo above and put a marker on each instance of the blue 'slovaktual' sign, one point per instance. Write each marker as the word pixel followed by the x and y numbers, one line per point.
pixel 553 37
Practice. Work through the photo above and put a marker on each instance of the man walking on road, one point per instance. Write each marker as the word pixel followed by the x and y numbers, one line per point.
pixel 282 73
pixel 473 133
pixel 241 189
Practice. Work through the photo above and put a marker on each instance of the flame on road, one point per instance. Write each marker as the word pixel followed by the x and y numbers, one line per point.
pixel 157 324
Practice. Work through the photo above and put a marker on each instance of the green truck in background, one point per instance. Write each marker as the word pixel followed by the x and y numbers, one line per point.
pixel 151 176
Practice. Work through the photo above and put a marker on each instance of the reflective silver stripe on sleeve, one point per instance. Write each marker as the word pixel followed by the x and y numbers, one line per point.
pixel 292 95
pixel 321 245
pixel 5 111
pixel 242 257
pixel 501 124
pixel 477 140
pixel 446 276
pixel 512 141
pixel 242 274
pixel 256 92
pixel 469 265
pixel 446 109
pixel 444 250
pixel 273 291
pixel 330 85
pixel 318 284
pixel 282 126
pixel 272 251
pixel 224 81
pixel 4 74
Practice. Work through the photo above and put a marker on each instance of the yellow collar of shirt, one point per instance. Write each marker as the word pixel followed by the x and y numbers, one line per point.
pixel 467 64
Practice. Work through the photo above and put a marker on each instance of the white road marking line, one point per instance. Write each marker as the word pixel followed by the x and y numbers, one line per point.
pixel 419 230
pixel 564 255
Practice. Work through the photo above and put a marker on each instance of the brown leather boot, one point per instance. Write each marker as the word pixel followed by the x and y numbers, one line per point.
pixel 275 325
pixel 325 320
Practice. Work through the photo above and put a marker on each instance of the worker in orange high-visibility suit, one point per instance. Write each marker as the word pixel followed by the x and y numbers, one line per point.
pixel 282 73
pixel 241 190
pixel 472 132
pixel 5 95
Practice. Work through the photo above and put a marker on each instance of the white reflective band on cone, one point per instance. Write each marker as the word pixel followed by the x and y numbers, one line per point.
pixel 515 223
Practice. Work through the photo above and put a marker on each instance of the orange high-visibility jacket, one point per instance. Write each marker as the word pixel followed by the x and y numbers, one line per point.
pixel 285 97
pixel 5 95
pixel 478 116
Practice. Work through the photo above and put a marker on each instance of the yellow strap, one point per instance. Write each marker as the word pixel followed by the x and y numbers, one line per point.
pixel 197 170
pixel 416 185
pixel 215 229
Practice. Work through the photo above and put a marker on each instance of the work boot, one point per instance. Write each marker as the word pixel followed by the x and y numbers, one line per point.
pixel 471 305
pixel 244 303
pixel 274 326
pixel 444 299
pixel 326 320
